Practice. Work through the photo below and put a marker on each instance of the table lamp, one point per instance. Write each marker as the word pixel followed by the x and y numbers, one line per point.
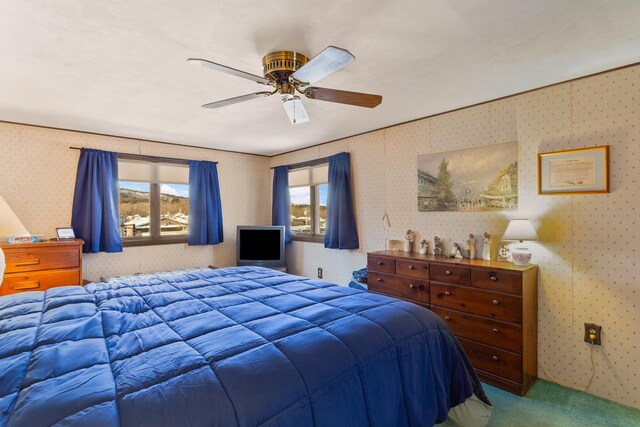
pixel 10 226
pixel 520 230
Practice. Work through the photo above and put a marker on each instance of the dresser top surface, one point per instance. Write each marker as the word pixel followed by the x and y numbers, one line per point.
pixel 47 244
pixel 462 262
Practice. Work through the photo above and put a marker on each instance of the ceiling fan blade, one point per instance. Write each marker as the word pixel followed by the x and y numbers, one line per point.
pixel 326 62
pixel 237 99
pixel 295 110
pixel 232 71
pixel 343 97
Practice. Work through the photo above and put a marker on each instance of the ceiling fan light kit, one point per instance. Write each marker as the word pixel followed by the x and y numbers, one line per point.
pixel 289 72
pixel 295 109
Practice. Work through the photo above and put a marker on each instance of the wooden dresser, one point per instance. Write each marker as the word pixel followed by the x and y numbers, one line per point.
pixel 490 306
pixel 40 266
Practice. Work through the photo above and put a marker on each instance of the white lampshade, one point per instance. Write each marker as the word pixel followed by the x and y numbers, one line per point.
pixel 10 225
pixel 520 229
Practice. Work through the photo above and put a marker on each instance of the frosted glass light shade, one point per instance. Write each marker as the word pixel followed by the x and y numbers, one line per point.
pixel 520 229
pixel 10 225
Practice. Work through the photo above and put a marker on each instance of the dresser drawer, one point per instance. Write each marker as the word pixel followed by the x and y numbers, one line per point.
pixel 450 274
pixel 412 268
pixel 402 287
pixel 493 360
pixel 38 281
pixel 496 280
pixel 23 260
pixel 382 264
pixel 486 331
pixel 480 302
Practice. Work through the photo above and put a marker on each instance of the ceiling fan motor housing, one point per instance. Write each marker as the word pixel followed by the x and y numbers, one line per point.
pixel 279 65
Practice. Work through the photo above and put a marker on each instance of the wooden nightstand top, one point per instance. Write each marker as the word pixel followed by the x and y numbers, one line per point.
pixel 48 243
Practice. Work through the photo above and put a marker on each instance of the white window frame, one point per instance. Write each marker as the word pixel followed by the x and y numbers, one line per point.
pixel 155 213
pixel 316 176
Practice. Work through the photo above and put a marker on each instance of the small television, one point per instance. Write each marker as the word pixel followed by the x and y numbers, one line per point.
pixel 260 245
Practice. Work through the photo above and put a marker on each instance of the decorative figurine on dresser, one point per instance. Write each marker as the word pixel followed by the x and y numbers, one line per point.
pixel 491 307
pixel 424 247
pixel 437 246
pixel 486 247
pixel 456 252
pixel 471 246
pixel 408 244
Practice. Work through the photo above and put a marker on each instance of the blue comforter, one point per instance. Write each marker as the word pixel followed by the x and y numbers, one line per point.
pixel 238 346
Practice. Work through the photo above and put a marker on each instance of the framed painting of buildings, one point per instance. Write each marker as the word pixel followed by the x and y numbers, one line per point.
pixel 472 180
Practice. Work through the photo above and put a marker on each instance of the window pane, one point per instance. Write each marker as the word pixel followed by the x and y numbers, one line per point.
pixel 300 209
pixel 322 192
pixel 134 209
pixel 174 209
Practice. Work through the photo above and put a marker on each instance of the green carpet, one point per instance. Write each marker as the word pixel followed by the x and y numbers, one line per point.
pixel 548 404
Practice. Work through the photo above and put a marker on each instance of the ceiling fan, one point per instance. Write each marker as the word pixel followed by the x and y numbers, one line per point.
pixel 289 72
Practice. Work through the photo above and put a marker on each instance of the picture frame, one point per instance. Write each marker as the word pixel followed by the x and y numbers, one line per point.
pixel 65 234
pixel 473 179
pixel 576 171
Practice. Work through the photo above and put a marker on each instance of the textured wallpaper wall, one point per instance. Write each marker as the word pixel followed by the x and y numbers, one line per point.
pixel 588 253
pixel 37 178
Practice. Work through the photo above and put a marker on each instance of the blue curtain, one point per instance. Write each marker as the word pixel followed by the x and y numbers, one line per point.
pixel 95 217
pixel 281 205
pixel 341 230
pixel 205 209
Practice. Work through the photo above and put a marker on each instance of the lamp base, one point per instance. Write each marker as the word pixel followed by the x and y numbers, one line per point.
pixel 2 265
pixel 521 256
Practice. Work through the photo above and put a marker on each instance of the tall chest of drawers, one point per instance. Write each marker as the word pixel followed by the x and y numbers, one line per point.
pixel 491 307
pixel 40 266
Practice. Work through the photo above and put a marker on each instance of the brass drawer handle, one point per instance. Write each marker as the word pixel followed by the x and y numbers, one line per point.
pixel 447 293
pixel 379 279
pixel 496 330
pixel 380 262
pixel 494 277
pixel 25 263
pixel 447 318
pixel 495 302
pixel 496 358
pixel 412 286
pixel 411 267
pixel 26 285
pixel 447 272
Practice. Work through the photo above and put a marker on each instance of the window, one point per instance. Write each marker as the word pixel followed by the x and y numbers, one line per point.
pixel 308 189
pixel 154 201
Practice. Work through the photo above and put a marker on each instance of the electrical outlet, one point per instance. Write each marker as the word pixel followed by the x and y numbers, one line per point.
pixel 319 273
pixel 592 333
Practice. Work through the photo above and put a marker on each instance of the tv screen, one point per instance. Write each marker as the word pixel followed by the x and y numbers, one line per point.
pixel 262 246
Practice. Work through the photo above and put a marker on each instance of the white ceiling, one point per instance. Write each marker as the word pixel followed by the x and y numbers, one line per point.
pixel 119 67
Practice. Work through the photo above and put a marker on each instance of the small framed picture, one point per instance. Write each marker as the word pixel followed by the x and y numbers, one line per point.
pixel 65 233
pixel 580 171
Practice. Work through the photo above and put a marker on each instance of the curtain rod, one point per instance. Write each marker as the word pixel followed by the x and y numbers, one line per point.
pixel 145 157
pixel 308 163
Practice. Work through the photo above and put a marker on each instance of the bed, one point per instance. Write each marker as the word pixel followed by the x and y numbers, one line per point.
pixel 241 346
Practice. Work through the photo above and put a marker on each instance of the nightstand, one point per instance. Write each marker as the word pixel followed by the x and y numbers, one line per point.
pixel 40 266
